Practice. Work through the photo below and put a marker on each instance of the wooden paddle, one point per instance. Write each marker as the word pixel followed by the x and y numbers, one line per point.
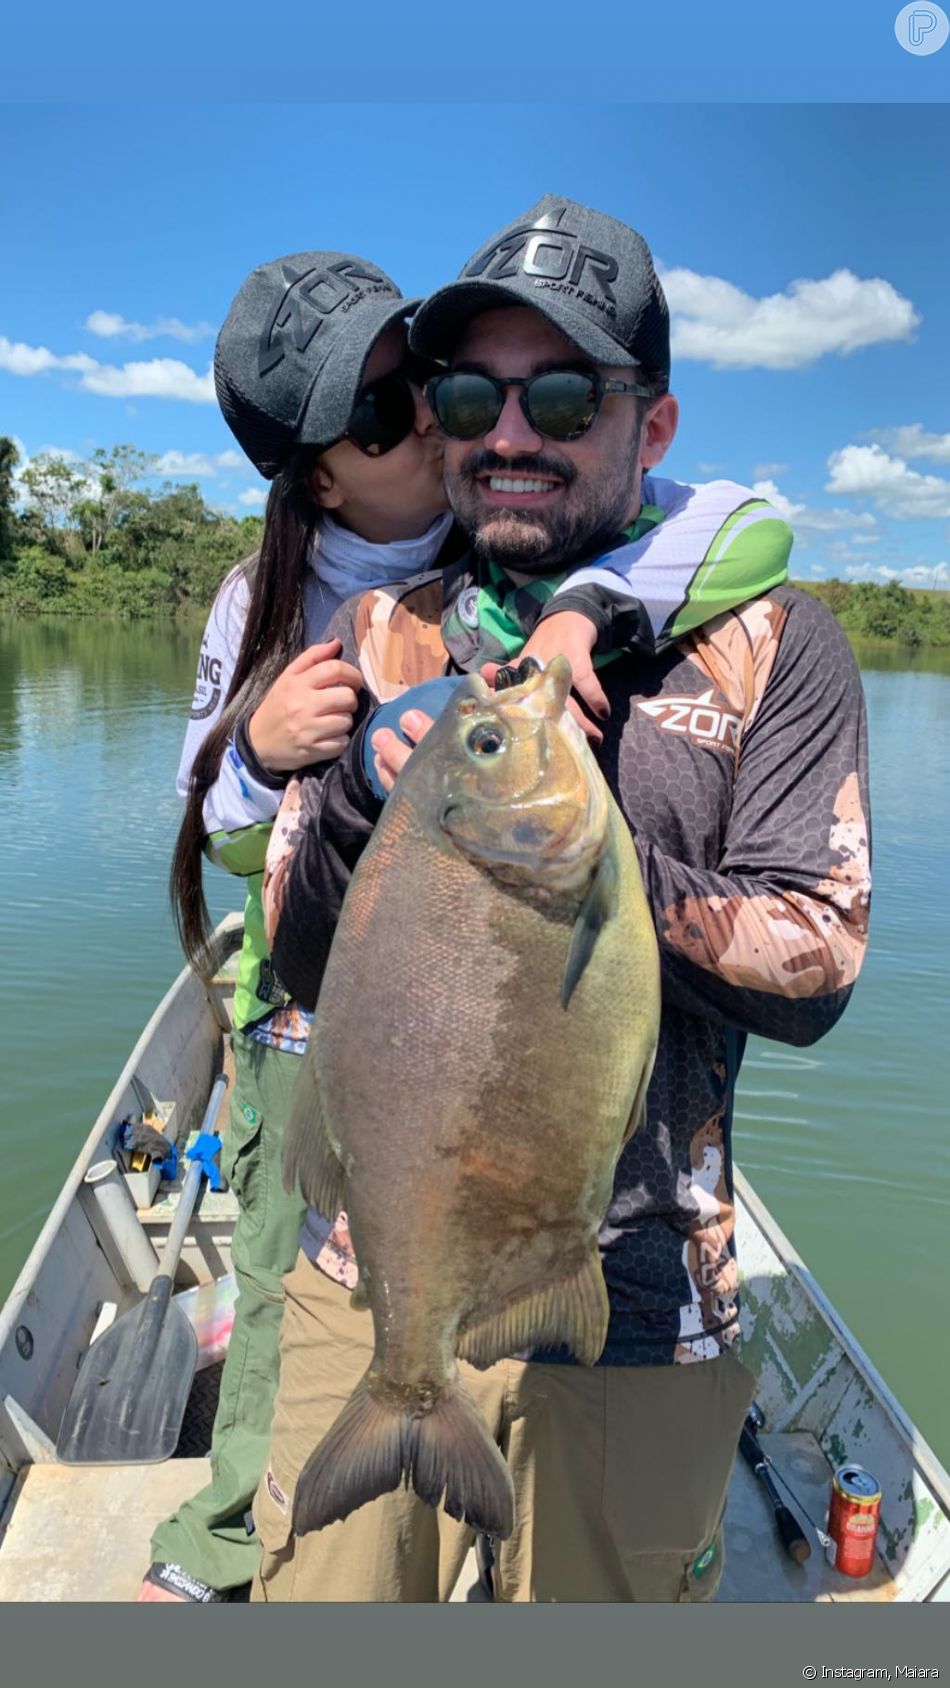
pixel 130 1394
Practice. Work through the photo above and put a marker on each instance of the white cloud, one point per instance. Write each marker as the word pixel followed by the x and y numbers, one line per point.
pixel 158 378
pixel 914 441
pixel 711 468
pixel 20 359
pixel 254 495
pixel 870 472
pixel 926 575
pixel 197 465
pixel 817 521
pixel 715 322
pixel 844 551
pixel 109 325
pixel 768 471
pixel 89 484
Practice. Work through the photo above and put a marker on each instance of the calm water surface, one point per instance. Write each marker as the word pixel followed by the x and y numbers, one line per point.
pixel 846 1142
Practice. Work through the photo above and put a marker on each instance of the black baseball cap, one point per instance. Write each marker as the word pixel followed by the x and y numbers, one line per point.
pixel 289 360
pixel 591 276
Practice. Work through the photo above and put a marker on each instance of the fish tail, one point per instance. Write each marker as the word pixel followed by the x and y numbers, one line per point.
pixel 445 1453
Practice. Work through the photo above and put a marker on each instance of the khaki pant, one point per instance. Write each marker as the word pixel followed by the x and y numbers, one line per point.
pixel 620 1474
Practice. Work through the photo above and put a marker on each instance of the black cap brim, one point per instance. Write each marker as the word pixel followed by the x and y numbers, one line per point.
pixel 439 323
pixel 329 405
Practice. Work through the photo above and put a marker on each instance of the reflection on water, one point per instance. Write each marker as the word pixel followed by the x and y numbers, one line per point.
pixel 900 659
pixel 847 1142
pixel 91 722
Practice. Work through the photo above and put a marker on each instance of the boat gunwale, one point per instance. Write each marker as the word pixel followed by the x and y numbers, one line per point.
pixel 226 939
pixel 925 1461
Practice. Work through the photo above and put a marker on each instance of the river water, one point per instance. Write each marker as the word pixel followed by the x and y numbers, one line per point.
pixel 847 1142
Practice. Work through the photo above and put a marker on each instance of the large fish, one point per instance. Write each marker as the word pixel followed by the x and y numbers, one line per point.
pixel 482 1046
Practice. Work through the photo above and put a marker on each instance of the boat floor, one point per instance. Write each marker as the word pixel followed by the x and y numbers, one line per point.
pixel 81 1533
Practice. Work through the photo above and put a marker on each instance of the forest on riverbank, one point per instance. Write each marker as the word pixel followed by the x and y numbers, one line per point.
pixel 91 540
pixel 84 539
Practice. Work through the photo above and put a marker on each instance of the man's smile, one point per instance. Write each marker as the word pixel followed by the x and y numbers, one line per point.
pixel 515 492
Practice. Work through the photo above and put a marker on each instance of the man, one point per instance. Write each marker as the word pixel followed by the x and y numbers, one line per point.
pixel 735 745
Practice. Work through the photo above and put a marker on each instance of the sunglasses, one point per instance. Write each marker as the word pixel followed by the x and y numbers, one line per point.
pixel 559 403
pixel 383 415
pixel 385 411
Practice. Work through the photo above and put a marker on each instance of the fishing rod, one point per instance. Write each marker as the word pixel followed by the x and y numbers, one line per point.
pixel 795 1542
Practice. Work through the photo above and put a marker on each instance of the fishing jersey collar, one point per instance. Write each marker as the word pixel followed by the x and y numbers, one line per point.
pixel 487 616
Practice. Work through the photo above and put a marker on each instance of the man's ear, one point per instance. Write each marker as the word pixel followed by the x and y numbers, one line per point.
pixel 658 430
pixel 324 488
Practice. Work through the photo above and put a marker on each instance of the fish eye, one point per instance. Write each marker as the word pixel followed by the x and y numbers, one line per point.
pixel 485 740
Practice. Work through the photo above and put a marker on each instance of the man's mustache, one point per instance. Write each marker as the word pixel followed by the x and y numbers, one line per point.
pixel 488 463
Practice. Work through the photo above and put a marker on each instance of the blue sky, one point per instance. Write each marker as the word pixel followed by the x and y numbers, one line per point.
pixel 804 250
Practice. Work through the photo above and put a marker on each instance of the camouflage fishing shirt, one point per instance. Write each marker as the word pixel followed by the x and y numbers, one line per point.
pixel 738 755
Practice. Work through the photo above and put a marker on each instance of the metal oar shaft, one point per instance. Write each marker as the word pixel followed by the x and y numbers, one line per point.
pixel 189 1189
pixel 181 1221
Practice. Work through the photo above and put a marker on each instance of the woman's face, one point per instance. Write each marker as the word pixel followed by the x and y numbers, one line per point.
pixel 398 495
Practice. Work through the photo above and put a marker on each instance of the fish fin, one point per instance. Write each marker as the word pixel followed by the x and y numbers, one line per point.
pixel 446 1454
pixel 639 1108
pixel 596 909
pixel 309 1158
pixel 359 1299
pixel 573 1311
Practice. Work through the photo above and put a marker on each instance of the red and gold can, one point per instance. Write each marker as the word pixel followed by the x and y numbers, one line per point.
pixel 853 1519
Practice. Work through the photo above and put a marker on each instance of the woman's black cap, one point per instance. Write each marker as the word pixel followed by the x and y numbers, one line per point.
pixel 289 360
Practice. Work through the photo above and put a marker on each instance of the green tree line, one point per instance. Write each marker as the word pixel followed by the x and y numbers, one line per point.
pixel 91 539
pixel 891 614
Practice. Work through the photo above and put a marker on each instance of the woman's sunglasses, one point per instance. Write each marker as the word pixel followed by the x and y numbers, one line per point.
pixel 385 411
pixel 559 403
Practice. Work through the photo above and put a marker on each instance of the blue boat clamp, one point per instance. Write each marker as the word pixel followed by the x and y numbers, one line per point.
pixel 205 1149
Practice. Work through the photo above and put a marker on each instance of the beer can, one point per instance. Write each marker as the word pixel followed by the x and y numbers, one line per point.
pixel 853 1519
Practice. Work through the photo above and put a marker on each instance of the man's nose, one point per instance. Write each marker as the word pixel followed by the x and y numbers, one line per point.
pixel 512 435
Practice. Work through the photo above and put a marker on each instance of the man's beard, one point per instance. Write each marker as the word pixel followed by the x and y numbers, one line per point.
pixel 542 541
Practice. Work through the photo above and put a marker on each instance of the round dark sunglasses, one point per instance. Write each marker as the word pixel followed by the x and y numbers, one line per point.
pixel 383 415
pixel 385 410
pixel 559 403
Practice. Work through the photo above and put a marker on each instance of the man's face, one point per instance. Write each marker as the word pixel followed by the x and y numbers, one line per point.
pixel 590 486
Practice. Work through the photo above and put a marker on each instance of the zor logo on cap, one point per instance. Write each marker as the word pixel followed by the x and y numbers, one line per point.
pixel 546 253
pixel 308 300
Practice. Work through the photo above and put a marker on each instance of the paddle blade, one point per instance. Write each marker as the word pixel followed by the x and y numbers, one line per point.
pixel 132 1388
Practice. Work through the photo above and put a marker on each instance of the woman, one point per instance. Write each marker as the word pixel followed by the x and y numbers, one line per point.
pixel 311 374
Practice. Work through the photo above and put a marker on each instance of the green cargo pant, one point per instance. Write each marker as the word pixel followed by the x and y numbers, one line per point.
pixel 208 1536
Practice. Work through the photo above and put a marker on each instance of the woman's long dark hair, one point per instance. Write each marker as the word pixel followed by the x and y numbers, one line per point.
pixel 273 636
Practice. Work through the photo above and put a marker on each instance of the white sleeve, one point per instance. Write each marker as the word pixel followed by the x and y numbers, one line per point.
pixel 699 522
pixel 235 799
